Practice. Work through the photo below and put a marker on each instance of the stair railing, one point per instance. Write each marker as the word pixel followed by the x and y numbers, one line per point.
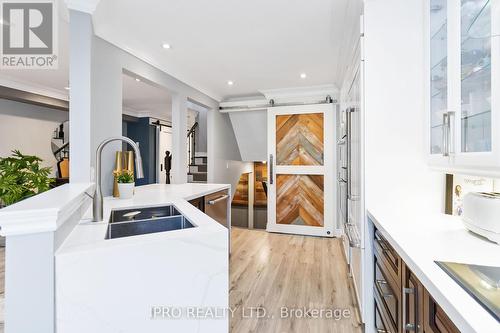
pixel 191 136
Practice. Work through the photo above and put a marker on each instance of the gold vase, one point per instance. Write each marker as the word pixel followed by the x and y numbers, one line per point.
pixel 118 168
pixel 129 161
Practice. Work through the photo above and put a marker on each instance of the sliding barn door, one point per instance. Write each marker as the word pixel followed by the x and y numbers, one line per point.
pixel 301 167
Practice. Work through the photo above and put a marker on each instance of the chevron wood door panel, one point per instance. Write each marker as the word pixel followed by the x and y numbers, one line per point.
pixel 299 139
pixel 299 200
pixel 301 169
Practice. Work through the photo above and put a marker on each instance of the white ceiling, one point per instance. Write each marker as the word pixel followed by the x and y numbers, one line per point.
pixel 258 44
pixel 144 98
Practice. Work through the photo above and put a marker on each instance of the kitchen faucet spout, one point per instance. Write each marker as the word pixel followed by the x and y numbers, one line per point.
pixel 97 208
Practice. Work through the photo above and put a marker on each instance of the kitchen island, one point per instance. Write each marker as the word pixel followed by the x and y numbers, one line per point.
pixel 164 281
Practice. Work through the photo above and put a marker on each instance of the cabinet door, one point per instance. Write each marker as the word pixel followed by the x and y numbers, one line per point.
pixel 437 77
pixel 412 303
pixel 435 319
pixel 438 72
pixel 476 141
pixel 462 63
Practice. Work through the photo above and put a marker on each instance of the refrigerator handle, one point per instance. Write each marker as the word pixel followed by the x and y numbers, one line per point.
pixel 349 151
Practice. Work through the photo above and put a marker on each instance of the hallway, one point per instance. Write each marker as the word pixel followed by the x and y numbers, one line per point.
pixel 277 274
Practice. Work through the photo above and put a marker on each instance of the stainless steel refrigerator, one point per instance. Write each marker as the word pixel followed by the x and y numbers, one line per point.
pixel 350 179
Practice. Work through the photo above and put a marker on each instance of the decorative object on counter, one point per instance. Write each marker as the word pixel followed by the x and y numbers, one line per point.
pixel 481 211
pixel 125 179
pixel 129 161
pixel 124 161
pixel 118 168
pixel 21 176
pixel 457 187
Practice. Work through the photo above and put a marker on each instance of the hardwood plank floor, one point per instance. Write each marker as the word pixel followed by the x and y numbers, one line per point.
pixel 275 271
pixel 271 271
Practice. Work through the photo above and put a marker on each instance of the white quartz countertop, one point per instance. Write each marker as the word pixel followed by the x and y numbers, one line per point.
pixel 88 235
pixel 44 212
pixel 423 238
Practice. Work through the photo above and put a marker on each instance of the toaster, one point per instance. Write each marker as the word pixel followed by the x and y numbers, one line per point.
pixel 481 214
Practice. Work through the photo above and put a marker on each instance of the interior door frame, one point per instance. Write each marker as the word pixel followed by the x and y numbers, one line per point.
pixel 328 170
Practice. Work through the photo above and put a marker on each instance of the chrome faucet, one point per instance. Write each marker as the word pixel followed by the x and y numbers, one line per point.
pixel 97 199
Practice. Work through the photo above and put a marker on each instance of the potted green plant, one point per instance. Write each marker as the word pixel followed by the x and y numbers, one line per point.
pixel 21 176
pixel 125 180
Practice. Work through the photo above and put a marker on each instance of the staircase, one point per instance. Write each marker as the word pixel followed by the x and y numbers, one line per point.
pixel 198 169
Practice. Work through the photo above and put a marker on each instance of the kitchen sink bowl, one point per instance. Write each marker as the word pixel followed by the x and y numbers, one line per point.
pixel 145 213
pixel 140 221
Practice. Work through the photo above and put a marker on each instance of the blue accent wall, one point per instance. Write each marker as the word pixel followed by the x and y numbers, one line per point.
pixel 144 133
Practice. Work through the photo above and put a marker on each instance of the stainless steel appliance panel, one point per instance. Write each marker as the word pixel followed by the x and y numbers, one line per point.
pixel 216 206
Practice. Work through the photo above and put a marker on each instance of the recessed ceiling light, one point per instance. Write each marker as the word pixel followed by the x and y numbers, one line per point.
pixel 230 83
pixel 67 88
pixel 303 75
pixel 166 46
pixel 137 79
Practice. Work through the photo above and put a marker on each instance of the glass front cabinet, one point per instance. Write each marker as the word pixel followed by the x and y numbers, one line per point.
pixel 463 84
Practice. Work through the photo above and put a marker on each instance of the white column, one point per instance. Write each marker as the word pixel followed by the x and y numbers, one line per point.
pixel 179 139
pixel 80 115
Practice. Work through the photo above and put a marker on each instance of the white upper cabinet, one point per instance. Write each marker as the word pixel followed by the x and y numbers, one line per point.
pixel 462 85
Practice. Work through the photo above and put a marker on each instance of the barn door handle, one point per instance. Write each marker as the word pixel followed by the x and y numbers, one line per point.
pixel 271 171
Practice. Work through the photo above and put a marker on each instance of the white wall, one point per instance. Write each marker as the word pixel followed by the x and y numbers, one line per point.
pixel 224 159
pixel 250 128
pixel 396 170
pixel 108 63
pixel 29 128
pixel 201 131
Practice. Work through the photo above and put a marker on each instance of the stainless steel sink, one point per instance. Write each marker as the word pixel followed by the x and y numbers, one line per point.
pixel 146 213
pixel 133 222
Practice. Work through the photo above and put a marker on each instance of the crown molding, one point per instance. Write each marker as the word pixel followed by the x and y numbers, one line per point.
pixel 34 88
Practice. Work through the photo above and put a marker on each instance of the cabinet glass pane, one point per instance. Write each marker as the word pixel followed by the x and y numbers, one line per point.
pixel 439 72
pixel 476 76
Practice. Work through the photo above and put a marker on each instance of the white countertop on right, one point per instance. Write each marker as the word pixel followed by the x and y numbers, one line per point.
pixel 421 239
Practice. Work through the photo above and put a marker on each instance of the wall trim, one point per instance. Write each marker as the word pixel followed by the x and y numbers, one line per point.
pixel 34 99
pixel 33 88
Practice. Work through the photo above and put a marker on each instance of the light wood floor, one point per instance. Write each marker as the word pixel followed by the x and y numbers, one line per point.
pixel 271 271
pixel 275 270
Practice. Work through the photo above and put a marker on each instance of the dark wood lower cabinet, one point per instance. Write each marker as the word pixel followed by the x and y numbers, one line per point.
pixel 412 302
pixel 404 305
pixel 435 320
